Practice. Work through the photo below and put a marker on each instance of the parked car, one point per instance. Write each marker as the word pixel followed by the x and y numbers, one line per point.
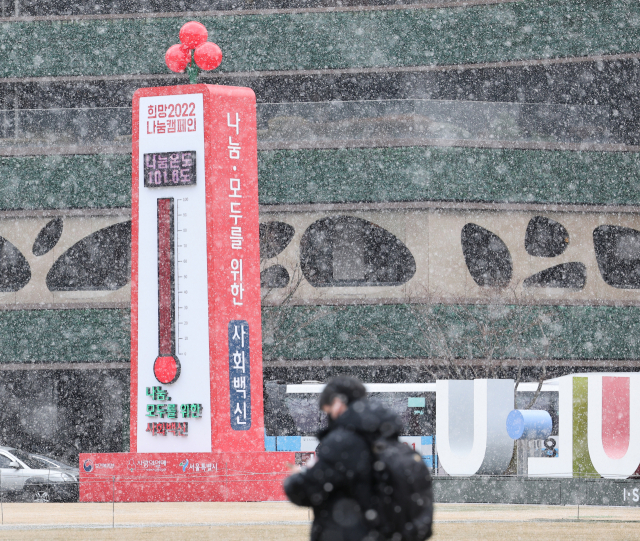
pixel 35 478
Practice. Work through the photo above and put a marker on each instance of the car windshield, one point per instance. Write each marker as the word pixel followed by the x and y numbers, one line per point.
pixel 42 462
pixel 29 460
pixel 52 462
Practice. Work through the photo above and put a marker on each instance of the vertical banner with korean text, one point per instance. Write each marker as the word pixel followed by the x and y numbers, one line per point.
pixel 239 375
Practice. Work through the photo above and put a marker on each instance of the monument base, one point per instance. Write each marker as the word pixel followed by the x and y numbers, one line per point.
pixel 183 477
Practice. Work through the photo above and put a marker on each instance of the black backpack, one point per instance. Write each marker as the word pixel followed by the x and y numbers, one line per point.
pixel 402 495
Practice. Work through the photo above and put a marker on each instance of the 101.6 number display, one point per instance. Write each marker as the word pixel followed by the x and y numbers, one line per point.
pixel 170 169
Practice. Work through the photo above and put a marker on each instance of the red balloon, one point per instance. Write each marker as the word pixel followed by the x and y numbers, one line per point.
pixel 208 56
pixel 177 58
pixel 193 34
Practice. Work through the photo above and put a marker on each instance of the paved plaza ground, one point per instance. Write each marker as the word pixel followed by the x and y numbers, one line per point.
pixel 284 522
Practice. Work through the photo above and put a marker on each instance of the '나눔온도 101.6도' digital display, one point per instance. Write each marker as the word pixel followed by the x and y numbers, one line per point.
pixel 170 169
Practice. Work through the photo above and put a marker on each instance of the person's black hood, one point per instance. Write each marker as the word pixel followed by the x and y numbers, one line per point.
pixel 366 418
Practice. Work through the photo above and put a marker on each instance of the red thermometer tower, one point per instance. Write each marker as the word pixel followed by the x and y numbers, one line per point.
pixel 196 343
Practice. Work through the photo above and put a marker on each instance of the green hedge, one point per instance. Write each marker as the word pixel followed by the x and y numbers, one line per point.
pixel 348 332
pixel 354 39
pixel 454 173
pixel 414 331
pixel 68 336
pixel 351 175
pixel 52 182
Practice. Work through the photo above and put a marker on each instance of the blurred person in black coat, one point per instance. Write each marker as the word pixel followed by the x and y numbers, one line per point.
pixel 339 484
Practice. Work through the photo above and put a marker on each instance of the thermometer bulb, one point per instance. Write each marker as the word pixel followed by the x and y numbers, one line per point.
pixel 166 367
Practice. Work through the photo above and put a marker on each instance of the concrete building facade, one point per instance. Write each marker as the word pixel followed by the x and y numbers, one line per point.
pixel 447 189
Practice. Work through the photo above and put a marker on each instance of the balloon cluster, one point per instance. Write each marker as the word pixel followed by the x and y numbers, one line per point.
pixel 194 52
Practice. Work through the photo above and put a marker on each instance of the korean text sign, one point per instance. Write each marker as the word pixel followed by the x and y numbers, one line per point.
pixel 239 375
pixel 195 272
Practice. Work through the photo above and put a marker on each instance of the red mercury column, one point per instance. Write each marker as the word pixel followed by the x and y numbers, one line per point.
pixel 166 368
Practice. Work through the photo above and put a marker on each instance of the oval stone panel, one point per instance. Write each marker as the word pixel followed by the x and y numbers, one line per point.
pixel 618 254
pixel 486 256
pixel 545 237
pixel 15 271
pixel 342 251
pixel 98 262
pixel 274 238
pixel 48 237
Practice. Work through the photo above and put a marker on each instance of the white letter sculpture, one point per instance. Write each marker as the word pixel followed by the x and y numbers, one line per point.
pixel 614 424
pixel 611 432
pixel 471 418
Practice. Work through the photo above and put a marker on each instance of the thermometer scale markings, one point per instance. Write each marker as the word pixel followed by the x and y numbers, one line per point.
pixel 180 345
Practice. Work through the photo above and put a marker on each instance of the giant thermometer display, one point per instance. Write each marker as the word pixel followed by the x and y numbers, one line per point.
pixel 196 341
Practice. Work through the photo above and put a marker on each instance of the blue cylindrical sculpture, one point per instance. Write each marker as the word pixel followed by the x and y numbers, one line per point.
pixel 529 424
